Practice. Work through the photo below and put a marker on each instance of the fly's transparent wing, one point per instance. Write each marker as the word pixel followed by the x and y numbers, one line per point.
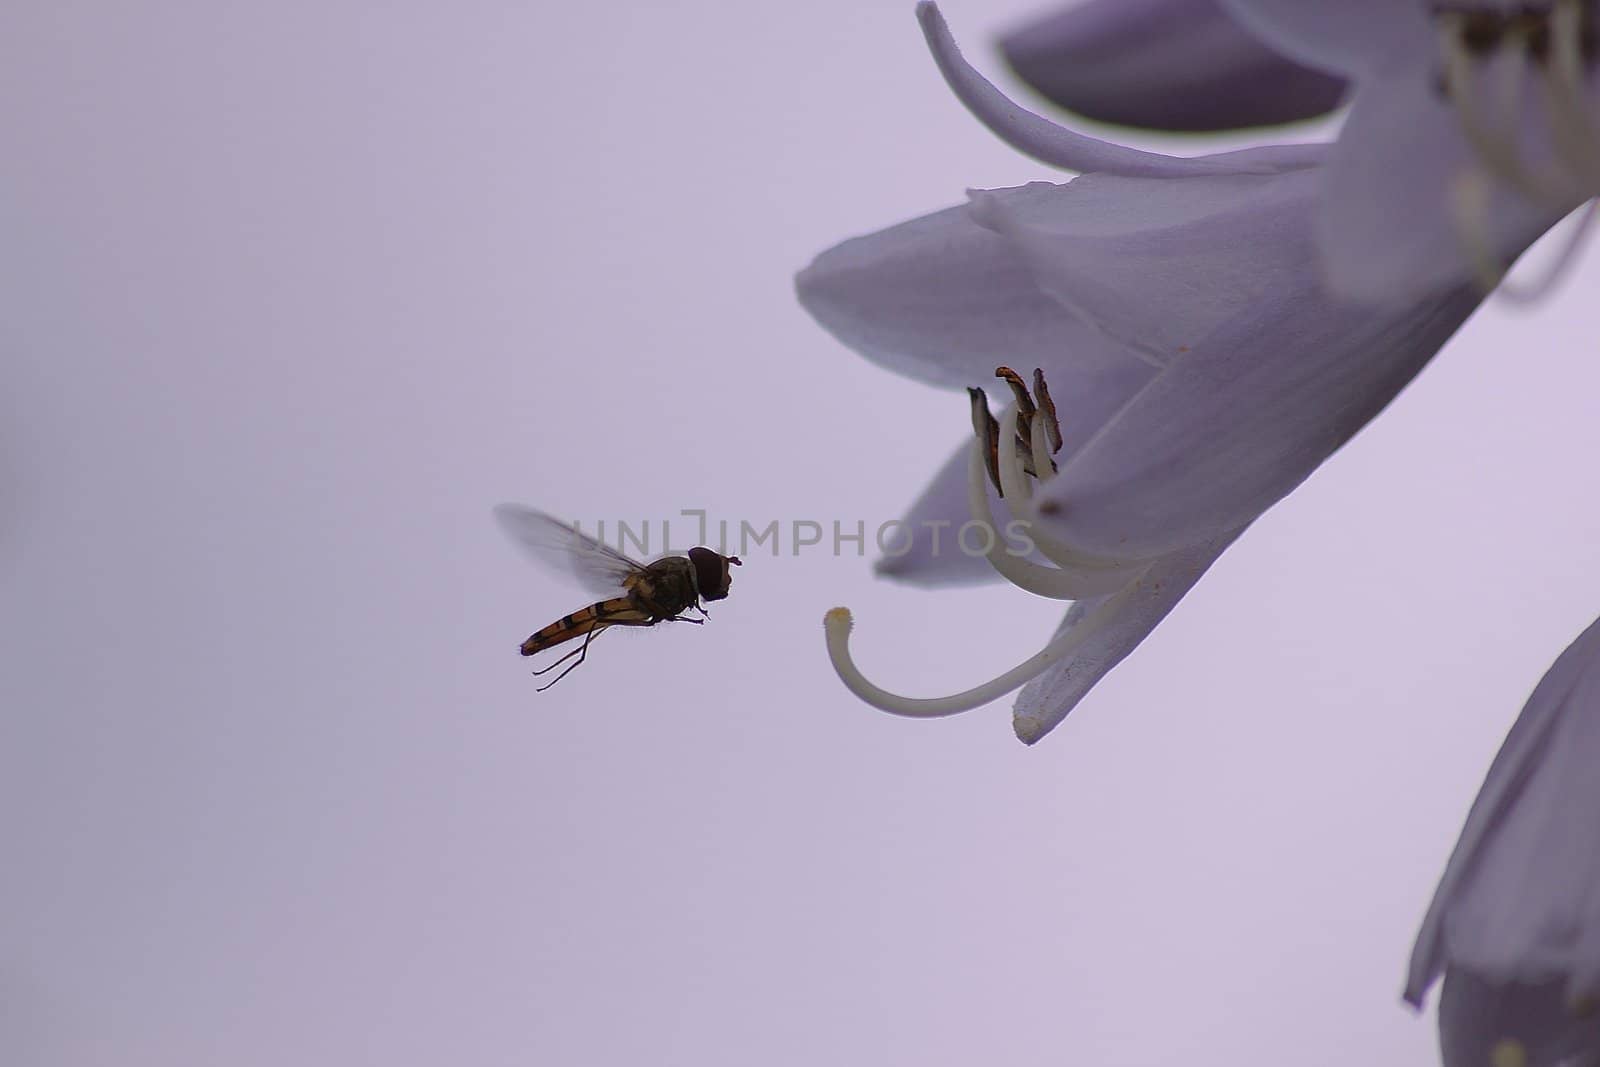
pixel 549 541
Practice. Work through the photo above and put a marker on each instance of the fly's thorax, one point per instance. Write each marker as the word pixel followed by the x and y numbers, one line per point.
pixel 665 588
pixel 712 576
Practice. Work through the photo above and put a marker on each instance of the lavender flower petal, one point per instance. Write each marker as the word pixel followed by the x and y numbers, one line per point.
pixel 1049 698
pixel 1344 37
pixel 1243 418
pixel 910 554
pixel 1058 146
pixel 1111 249
pixel 1178 304
pixel 1520 898
pixel 1390 229
pixel 943 300
pixel 1386 230
pixel 1164 64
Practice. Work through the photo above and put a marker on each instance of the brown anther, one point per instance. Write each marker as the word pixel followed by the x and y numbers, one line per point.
pixel 1029 406
pixel 1025 410
pixel 1019 389
pixel 1052 423
pixel 988 433
pixel 1025 413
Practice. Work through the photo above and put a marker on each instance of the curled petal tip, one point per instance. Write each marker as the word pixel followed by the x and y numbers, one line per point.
pixel 1180 65
pixel 1050 144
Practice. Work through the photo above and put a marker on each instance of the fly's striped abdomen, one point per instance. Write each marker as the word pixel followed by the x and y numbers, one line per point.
pixel 618 611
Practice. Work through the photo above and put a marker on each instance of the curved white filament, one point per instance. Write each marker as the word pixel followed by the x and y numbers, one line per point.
pixel 1052 582
pixel 1039 442
pixel 1094 576
pixel 1013 479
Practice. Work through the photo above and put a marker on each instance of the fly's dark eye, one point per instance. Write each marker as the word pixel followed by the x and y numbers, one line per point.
pixel 710 573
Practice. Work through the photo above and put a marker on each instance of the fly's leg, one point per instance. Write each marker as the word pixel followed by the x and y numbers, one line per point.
pixel 569 654
pixel 581 652
pixel 685 618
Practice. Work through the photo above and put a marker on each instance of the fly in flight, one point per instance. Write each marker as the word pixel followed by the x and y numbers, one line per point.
pixel 636 594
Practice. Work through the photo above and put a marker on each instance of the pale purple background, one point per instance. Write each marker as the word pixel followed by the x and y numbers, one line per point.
pixel 290 295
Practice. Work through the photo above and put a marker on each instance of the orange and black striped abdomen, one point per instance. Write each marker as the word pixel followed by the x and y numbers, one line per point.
pixel 618 611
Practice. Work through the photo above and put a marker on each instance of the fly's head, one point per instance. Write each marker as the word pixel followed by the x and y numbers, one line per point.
pixel 711 575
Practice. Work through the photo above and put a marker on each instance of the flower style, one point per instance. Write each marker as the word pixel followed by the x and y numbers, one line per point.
pixel 1200 370
pixel 1165 64
pixel 1471 132
pixel 1515 924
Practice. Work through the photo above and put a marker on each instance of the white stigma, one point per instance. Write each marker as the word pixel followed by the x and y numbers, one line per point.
pixel 1074 575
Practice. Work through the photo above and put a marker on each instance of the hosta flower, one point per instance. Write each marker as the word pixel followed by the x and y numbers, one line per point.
pixel 1166 64
pixel 1515 924
pixel 1199 370
pixel 1472 130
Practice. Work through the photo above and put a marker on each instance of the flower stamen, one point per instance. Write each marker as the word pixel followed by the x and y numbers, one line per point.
pixel 1016 463
pixel 1006 453
pixel 1052 423
pixel 1553 45
pixel 1056 583
pixel 1089 575
pixel 1571 127
pixel 1032 462
pixel 1491 129
pixel 988 434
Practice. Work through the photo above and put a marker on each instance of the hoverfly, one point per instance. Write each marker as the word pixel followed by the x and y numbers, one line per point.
pixel 660 591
